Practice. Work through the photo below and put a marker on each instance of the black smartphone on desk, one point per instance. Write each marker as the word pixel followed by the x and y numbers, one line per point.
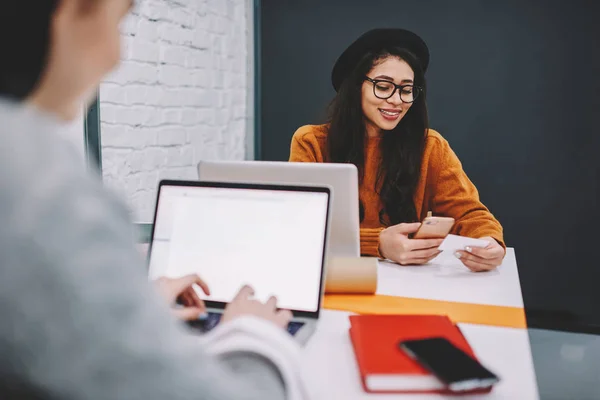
pixel 455 368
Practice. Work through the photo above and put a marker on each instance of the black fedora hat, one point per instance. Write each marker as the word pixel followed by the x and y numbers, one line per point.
pixel 377 39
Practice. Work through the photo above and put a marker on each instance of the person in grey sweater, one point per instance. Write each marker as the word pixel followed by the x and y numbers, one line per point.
pixel 79 318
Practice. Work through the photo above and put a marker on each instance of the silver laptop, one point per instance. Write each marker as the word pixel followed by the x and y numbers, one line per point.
pixel 344 238
pixel 272 237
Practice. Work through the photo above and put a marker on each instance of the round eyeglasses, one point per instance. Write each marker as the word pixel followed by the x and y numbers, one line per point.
pixel 386 89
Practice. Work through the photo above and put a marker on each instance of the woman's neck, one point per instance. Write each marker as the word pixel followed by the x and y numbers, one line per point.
pixel 64 111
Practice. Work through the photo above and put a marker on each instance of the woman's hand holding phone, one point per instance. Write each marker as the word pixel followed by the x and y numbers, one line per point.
pixel 417 244
pixel 395 245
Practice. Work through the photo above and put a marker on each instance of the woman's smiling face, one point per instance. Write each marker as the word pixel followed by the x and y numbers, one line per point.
pixel 385 114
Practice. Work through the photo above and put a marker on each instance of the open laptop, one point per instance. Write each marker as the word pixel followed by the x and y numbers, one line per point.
pixel 344 240
pixel 272 237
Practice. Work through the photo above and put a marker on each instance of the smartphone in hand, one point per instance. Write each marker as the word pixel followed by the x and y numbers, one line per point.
pixel 434 228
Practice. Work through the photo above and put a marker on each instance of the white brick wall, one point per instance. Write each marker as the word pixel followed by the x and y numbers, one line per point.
pixel 182 94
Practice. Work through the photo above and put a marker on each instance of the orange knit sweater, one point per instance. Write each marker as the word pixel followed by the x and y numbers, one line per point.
pixel 443 187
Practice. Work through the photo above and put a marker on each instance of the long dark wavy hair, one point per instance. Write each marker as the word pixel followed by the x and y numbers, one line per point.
pixel 401 147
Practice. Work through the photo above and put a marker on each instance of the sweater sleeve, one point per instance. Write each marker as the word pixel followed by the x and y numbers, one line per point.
pixel 456 196
pixel 369 242
pixel 258 369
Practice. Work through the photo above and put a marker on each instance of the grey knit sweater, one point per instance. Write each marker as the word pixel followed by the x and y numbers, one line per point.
pixel 78 318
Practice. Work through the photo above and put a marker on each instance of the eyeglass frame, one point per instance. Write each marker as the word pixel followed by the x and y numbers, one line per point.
pixel 396 87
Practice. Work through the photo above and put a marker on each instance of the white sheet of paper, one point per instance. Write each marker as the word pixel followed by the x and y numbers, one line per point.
pixel 445 278
pixel 455 242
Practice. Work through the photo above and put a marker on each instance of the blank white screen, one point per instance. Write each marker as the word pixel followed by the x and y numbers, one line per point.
pixel 272 240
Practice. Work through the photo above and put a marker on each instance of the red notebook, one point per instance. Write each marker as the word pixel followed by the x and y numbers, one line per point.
pixel 383 366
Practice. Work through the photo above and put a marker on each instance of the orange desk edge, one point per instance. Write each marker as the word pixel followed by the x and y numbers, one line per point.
pixel 512 317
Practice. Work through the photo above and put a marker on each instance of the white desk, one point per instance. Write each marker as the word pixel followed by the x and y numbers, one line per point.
pixel 330 366
pixel 332 373
pixel 329 359
pixel 445 278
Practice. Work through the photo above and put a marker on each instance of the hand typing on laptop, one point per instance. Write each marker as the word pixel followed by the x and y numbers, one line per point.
pixel 180 291
pixel 243 304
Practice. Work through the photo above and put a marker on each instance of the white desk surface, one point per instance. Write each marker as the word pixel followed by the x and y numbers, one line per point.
pixel 330 365
pixel 332 373
pixel 445 278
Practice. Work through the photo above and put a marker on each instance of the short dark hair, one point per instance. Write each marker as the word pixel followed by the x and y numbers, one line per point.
pixel 24 44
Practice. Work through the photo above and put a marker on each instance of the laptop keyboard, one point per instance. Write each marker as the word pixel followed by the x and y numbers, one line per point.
pixel 213 319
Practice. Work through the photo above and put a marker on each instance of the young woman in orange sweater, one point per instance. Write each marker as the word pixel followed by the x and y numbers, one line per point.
pixel 378 122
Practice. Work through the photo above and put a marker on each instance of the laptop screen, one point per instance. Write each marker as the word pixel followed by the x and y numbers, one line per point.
pixel 272 240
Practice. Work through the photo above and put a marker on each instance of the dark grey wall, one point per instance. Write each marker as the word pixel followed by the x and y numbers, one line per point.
pixel 514 87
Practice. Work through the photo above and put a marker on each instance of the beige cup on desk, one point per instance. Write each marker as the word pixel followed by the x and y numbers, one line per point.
pixel 351 275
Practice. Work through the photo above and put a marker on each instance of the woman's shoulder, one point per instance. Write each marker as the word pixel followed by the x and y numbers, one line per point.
pixel 435 139
pixel 438 153
pixel 309 143
pixel 308 133
pixel 435 143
